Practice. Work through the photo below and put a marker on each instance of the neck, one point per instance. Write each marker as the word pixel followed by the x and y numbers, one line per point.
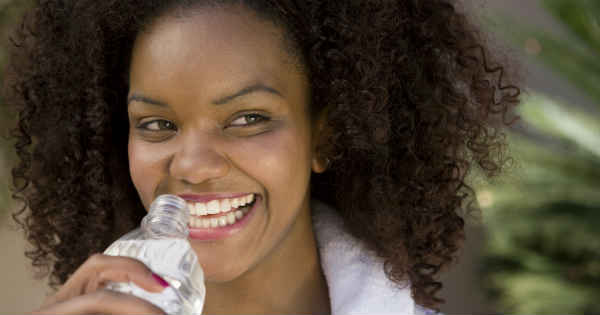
pixel 289 280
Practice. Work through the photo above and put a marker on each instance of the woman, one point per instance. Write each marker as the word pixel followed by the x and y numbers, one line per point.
pixel 343 129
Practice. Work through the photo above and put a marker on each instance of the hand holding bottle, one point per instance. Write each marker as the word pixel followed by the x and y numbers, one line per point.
pixel 162 244
pixel 127 271
pixel 84 292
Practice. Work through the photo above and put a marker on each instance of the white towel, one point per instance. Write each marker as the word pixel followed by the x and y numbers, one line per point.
pixel 355 277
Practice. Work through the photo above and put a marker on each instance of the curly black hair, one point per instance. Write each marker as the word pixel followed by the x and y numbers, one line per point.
pixel 415 100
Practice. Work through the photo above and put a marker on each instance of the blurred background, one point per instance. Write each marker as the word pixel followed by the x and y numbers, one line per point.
pixel 536 247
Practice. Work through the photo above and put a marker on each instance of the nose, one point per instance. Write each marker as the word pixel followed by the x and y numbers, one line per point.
pixel 197 160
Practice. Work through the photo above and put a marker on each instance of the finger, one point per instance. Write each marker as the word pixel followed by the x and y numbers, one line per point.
pixel 118 275
pixel 86 278
pixel 102 302
pixel 107 269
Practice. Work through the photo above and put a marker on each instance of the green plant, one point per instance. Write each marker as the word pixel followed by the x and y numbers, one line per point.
pixel 543 253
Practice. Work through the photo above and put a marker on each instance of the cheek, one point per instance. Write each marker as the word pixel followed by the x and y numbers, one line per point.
pixel 145 165
pixel 280 161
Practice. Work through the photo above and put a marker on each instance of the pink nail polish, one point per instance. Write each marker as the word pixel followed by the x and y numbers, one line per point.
pixel 160 280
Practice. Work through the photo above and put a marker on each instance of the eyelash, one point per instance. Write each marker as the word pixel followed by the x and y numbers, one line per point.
pixel 260 118
pixel 144 126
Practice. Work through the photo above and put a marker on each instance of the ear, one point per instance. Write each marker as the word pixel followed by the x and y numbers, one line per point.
pixel 319 165
pixel 320 134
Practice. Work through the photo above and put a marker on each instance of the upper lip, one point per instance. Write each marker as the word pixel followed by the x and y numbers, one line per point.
pixel 209 197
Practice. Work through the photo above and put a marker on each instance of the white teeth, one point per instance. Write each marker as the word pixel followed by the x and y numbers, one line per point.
pixel 201 209
pixel 225 206
pixel 219 206
pixel 220 221
pixel 230 218
pixel 213 207
pixel 239 214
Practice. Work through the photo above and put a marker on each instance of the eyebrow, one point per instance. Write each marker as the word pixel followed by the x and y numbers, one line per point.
pixel 140 98
pixel 259 87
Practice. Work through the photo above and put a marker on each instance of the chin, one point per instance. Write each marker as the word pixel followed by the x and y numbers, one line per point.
pixel 222 276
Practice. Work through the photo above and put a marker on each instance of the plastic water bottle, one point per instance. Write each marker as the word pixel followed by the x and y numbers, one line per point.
pixel 161 243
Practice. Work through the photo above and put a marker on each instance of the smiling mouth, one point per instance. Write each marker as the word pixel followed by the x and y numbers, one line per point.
pixel 221 212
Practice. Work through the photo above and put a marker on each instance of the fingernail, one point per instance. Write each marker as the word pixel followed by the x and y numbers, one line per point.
pixel 160 280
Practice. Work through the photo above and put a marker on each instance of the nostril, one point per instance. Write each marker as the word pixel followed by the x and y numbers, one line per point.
pixel 198 166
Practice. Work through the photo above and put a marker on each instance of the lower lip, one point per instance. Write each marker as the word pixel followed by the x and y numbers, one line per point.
pixel 217 233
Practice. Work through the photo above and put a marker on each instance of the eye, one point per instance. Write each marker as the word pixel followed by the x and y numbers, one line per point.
pixel 248 120
pixel 157 125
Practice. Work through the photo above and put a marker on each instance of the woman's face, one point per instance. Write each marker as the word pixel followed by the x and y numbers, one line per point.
pixel 218 110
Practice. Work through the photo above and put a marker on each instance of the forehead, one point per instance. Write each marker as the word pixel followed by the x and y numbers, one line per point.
pixel 212 49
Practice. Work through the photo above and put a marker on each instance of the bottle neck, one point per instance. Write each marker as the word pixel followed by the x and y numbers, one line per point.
pixel 167 218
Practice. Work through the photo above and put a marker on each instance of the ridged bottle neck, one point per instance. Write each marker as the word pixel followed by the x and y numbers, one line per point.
pixel 167 218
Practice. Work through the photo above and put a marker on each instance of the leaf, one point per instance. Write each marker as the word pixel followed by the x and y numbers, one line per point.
pixel 568 123
pixel 571 58
pixel 575 63
pixel 534 293
pixel 581 17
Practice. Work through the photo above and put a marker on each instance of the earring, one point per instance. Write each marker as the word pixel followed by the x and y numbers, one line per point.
pixel 327 162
